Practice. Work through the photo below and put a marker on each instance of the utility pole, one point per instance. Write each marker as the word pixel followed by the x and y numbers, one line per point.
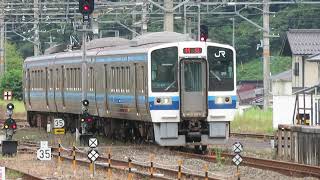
pixel 2 38
pixel 168 15
pixel 36 46
pixel 84 62
pixel 185 19
pixel 233 31
pixel 266 54
pixel 144 20
pixel 199 21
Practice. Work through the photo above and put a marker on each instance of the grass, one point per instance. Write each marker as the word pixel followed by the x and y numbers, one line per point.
pixel 18 105
pixel 253 120
pixel 13 174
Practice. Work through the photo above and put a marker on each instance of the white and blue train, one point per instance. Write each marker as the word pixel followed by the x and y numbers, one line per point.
pixel 160 86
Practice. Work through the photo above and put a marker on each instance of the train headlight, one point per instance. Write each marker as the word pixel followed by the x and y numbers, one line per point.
pixel 223 100
pixel 163 101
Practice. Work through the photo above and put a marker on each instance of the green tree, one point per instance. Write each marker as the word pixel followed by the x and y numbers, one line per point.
pixel 12 79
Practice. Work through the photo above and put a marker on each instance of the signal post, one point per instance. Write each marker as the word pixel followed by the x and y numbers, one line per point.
pixel 9 146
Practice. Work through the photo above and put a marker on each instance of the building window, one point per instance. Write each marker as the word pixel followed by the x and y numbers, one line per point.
pixel 296 69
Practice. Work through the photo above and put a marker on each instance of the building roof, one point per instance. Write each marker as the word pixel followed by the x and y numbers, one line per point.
pixel 301 42
pixel 283 76
pixel 314 58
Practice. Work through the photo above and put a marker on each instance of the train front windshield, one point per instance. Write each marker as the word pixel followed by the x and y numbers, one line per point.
pixel 164 65
pixel 221 72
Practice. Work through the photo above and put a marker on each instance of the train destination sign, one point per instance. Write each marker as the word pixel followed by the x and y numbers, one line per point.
pixel 192 50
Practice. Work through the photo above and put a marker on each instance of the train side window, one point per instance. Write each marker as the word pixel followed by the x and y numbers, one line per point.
pixel 31 81
pixel 36 80
pixel 41 80
pixel 92 77
pixel 74 78
pixel 80 78
pixel 117 79
pixel 112 79
pixel 142 79
pixel 62 78
pixel 105 77
pixel 128 79
pixel 58 79
pixel 122 80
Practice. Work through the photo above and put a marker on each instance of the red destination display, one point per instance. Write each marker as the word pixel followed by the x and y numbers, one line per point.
pixel 192 50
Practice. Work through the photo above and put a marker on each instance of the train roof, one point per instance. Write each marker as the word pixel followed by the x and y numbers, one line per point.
pixel 119 46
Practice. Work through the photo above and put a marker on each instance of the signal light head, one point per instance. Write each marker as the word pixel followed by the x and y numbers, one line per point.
pixel 14 126
pixel 86 7
pixel 6 126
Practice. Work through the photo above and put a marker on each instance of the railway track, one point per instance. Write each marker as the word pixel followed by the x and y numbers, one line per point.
pixel 251 135
pixel 287 168
pixel 142 168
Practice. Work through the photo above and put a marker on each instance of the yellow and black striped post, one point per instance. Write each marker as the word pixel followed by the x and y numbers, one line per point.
pixel 206 172
pixel 109 165
pixel 74 158
pixel 129 165
pixel 59 153
pixel 179 169
pixel 151 166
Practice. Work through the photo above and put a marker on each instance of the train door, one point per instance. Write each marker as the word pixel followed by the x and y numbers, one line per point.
pixel 193 88
pixel 47 78
pixel 27 88
pixel 63 78
pixel 140 91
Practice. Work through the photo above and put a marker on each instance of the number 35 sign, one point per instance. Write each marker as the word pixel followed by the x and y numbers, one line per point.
pixel 58 123
pixel 44 153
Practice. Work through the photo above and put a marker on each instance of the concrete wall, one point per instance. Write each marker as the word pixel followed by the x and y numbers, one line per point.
pixel 280 88
pixel 283 107
pixel 311 74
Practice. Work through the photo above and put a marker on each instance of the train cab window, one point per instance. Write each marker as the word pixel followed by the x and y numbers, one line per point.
pixel 221 72
pixel 164 70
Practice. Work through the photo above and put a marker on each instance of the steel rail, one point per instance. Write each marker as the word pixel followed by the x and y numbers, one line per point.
pixel 251 135
pixel 145 168
pixel 287 168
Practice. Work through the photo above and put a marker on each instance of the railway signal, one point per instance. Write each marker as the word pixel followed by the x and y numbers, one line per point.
pixel 203 33
pixel 9 146
pixel 237 159
pixel 86 7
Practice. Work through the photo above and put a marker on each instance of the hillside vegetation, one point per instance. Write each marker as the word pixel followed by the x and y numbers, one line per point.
pixel 253 70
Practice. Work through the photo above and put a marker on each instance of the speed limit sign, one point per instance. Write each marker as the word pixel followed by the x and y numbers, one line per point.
pixel 44 154
pixel 58 123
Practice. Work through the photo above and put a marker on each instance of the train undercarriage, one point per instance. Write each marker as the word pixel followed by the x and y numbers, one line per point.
pixel 128 131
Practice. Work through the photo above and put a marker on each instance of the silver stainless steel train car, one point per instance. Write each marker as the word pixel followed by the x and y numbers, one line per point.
pixel 162 86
